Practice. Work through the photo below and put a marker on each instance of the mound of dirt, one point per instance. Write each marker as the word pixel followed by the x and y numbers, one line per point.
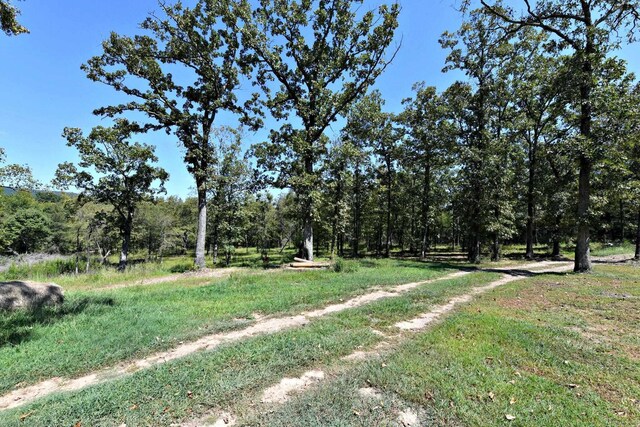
pixel 14 295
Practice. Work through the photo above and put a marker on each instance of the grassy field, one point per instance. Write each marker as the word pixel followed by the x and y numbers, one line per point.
pixel 555 349
pixel 188 387
pixel 94 329
pixel 550 351
pixel 63 270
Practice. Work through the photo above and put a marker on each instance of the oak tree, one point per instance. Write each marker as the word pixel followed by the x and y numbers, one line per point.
pixel 590 30
pixel 123 177
pixel 181 75
pixel 322 55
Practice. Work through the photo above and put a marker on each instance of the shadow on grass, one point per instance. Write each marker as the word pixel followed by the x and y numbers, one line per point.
pixel 453 265
pixel 539 256
pixel 438 265
pixel 629 260
pixel 524 273
pixel 17 326
pixel 367 263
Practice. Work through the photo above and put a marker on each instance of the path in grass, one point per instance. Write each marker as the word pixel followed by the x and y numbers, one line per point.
pixel 96 330
pixel 264 326
pixel 281 392
pixel 556 350
pixel 200 274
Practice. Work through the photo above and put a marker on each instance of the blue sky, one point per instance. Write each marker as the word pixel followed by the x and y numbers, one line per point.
pixel 42 88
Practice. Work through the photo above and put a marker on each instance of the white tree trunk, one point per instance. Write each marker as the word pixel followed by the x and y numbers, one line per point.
pixel 202 230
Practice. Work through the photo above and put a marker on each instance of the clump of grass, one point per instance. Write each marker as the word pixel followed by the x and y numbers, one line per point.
pixel 182 268
pixel 17 326
pixel 342 265
pixel 47 269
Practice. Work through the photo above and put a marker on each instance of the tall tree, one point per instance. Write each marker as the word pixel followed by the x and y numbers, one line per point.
pixel 428 146
pixel 203 44
pixel 356 135
pixel 124 174
pixel 323 56
pixel 480 48
pixel 374 129
pixel 619 178
pixel 385 146
pixel 230 185
pixel 540 108
pixel 590 29
pixel 336 181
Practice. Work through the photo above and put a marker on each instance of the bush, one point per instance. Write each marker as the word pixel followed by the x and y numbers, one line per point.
pixel 343 266
pixel 182 268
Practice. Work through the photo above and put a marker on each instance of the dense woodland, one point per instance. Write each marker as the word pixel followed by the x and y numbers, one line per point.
pixel 539 144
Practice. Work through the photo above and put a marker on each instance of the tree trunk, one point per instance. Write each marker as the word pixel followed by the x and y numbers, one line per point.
pixel 621 221
pixel 426 206
pixel 530 198
pixel 637 257
pixel 387 250
pixel 496 249
pixel 334 241
pixel 126 240
pixel 477 165
pixel 555 253
pixel 307 220
pixel 77 250
pixel 582 255
pixel 473 240
pixel 556 248
pixel 496 252
pixel 336 214
pixel 473 254
pixel 200 261
pixel 412 230
pixel 88 261
pixel 356 212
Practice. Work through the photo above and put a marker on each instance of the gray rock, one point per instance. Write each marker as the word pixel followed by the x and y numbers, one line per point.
pixel 18 294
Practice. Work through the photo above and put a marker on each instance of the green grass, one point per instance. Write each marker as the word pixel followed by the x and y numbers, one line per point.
pixel 555 350
pixel 602 249
pixel 95 329
pixel 233 375
pixel 517 350
pixel 63 270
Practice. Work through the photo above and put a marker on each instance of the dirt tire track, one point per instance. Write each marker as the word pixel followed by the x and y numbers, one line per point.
pixel 28 394
pixel 282 391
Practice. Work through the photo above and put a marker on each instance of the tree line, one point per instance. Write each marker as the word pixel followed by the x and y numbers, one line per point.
pixel 537 144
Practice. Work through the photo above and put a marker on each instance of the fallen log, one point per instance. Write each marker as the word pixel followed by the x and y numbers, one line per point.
pixel 309 265
pixel 296 259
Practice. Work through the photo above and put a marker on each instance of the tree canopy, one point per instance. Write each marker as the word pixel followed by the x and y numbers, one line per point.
pixel 322 57
pixel 9 19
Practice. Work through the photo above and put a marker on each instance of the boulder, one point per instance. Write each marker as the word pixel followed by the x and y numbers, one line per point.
pixel 18 294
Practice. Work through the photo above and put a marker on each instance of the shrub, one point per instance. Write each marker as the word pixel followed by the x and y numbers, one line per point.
pixel 343 266
pixel 182 268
